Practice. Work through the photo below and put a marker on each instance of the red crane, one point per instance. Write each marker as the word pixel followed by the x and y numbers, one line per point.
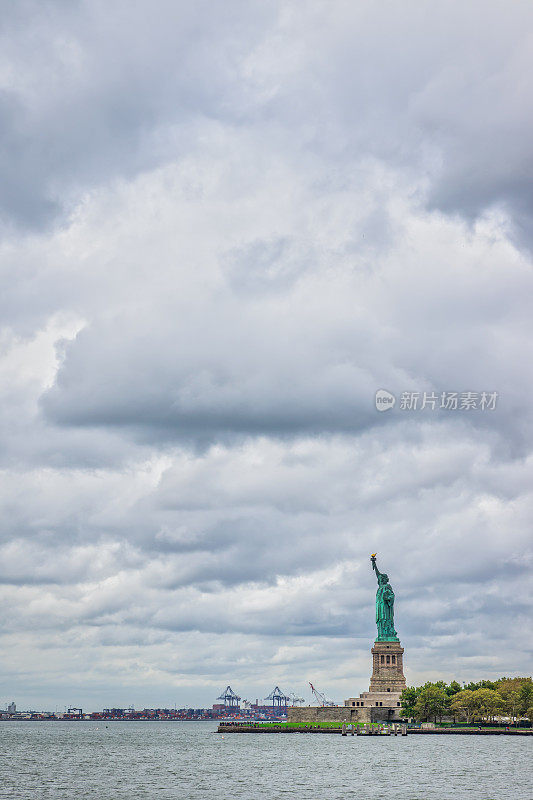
pixel 321 698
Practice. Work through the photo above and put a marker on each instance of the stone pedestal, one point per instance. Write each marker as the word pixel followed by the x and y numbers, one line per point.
pixel 386 684
pixel 387 667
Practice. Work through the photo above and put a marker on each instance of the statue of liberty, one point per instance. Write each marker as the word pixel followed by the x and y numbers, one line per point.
pixel 384 606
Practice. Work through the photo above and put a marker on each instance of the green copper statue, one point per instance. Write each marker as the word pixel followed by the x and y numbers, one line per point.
pixel 384 606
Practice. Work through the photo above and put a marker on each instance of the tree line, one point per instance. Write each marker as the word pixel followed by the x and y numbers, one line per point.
pixel 484 700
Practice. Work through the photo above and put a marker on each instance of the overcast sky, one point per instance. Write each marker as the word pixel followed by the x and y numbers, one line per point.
pixel 225 225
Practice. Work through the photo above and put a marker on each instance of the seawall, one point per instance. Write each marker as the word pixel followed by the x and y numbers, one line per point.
pixel 312 715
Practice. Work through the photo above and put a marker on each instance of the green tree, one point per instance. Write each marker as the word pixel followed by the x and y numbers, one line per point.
pixel 453 688
pixel 408 699
pixel 517 694
pixel 486 703
pixel 462 704
pixel 432 702
pixel 484 684
pixel 481 699
pixel 511 702
pixel 526 695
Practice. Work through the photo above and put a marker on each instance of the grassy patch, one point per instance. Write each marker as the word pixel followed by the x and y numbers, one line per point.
pixel 309 726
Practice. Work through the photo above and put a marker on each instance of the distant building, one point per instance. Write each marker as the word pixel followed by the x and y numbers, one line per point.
pixel 12 708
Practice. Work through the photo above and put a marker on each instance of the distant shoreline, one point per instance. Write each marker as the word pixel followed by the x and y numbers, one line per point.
pixel 331 730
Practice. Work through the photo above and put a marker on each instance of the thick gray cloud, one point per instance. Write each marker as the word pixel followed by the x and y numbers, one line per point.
pixel 87 87
pixel 225 227
pixel 95 90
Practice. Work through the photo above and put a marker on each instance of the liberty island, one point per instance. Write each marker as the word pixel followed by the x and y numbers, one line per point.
pixel 380 709
pixel 382 701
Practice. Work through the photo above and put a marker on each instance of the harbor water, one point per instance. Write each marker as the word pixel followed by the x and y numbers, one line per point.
pixel 190 760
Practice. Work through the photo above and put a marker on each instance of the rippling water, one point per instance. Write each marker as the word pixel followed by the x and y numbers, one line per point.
pixel 190 760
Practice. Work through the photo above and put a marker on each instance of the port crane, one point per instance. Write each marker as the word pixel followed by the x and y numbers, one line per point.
pixel 279 700
pixel 230 698
pixel 74 710
pixel 296 700
pixel 320 697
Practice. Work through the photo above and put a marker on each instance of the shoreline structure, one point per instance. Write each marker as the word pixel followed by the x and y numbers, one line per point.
pixel 371 730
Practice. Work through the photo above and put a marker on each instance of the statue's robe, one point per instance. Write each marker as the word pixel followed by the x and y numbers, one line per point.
pixel 385 610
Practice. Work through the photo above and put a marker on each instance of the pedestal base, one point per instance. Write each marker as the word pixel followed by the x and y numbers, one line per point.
pixel 387 663
pixel 386 684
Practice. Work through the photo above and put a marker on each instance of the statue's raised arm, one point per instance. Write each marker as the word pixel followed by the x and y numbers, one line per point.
pixel 374 565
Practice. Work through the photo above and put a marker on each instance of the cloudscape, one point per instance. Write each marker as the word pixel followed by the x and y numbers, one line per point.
pixel 225 226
